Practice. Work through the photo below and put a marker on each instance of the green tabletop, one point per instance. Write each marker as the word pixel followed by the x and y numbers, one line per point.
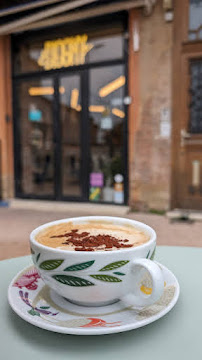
pixel 175 336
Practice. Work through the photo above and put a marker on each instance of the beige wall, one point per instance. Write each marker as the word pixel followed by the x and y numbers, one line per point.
pixel 150 178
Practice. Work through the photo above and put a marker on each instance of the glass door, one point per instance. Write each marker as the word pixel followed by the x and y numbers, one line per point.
pixel 69 135
pixel 107 126
pixel 34 138
pixel 70 110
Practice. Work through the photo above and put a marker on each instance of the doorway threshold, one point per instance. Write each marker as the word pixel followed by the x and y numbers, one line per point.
pixel 82 209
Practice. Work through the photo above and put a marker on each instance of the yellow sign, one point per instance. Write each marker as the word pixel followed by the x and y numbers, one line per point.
pixel 66 52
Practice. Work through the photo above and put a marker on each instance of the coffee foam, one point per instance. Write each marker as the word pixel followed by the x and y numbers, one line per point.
pixel 51 236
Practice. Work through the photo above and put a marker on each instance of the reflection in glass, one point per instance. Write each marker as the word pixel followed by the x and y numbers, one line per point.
pixel 195 106
pixel 28 55
pixel 195 19
pixel 36 137
pixel 106 111
pixel 70 112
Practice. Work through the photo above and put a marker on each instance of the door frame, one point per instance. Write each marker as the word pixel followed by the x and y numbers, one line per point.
pixel 183 50
pixel 83 70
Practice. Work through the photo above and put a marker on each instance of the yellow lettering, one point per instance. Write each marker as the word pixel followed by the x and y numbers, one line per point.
pixel 66 52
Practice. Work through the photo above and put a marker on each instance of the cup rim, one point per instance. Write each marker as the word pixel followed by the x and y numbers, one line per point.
pixel 139 224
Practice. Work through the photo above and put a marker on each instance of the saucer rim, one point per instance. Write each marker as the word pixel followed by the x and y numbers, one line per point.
pixel 94 331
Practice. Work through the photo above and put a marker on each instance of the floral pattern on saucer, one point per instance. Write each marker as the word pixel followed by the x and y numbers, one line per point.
pixel 36 303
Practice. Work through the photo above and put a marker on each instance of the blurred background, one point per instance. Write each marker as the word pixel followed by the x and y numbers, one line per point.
pixel 100 114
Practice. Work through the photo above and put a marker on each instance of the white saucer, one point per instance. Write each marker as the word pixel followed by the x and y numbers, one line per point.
pixel 36 303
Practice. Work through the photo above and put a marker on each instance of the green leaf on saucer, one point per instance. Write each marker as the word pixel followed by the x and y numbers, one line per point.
pixel 50 264
pixel 44 307
pixel 81 266
pixel 72 280
pixel 33 312
pixel 107 278
pixel 114 265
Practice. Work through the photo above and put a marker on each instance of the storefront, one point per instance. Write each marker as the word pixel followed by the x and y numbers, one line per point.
pixel 70 117
pixel 87 107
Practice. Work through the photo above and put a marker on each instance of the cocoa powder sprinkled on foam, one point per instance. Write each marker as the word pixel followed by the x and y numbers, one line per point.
pixel 86 242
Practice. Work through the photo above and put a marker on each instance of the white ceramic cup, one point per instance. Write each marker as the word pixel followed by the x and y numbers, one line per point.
pixel 98 278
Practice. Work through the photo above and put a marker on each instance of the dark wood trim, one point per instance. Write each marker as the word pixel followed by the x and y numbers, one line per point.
pixel 180 35
pixel 192 47
pixel 96 12
pixel 57 139
pixel 85 136
pixel 183 51
pixel 70 69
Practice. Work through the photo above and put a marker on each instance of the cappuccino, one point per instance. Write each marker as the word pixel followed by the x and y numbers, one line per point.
pixel 92 236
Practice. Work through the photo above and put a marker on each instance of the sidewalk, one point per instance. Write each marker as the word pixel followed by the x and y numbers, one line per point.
pixel 17 223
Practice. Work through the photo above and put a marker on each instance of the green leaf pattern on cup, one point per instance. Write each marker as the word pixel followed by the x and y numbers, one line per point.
pixel 118 273
pixel 81 266
pixel 153 254
pixel 114 265
pixel 51 264
pixel 72 280
pixel 78 281
pixel 107 278
pixel 37 257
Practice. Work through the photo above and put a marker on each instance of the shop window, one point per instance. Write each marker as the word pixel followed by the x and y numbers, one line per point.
pixel 107 117
pixel 195 20
pixel 66 51
pixel 35 120
pixel 195 124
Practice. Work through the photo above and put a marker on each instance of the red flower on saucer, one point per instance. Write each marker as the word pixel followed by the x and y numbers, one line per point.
pixel 28 280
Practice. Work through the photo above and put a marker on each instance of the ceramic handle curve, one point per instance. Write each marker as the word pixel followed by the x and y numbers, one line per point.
pixel 138 298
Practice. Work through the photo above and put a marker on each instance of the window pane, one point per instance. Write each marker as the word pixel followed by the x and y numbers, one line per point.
pixel 70 112
pixel 195 124
pixel 66 51
pixel 35 111
pixel 106 112
pixel 195 19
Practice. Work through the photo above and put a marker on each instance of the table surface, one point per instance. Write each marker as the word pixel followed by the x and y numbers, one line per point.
pixel 175 336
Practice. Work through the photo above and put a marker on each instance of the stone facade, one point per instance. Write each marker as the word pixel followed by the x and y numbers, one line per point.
pixel 150 173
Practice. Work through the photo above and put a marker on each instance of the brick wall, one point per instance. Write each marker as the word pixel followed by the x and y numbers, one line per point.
pixel 6 131
pixel 150 177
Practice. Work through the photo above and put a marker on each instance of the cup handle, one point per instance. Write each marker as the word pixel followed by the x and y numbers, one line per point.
pixel 139 299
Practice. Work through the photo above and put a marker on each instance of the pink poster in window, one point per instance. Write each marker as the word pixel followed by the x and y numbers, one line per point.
pixel 96 179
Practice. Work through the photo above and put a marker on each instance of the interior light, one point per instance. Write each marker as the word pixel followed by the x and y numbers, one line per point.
pixel 62 89
pixel 112 86
pixel 78 108
pixel 97 108
pixel 118 113
pixel 44 90
pixel 74 98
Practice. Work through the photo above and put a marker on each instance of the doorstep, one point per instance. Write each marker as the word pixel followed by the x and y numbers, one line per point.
pixel 70 207
pixel 185 213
